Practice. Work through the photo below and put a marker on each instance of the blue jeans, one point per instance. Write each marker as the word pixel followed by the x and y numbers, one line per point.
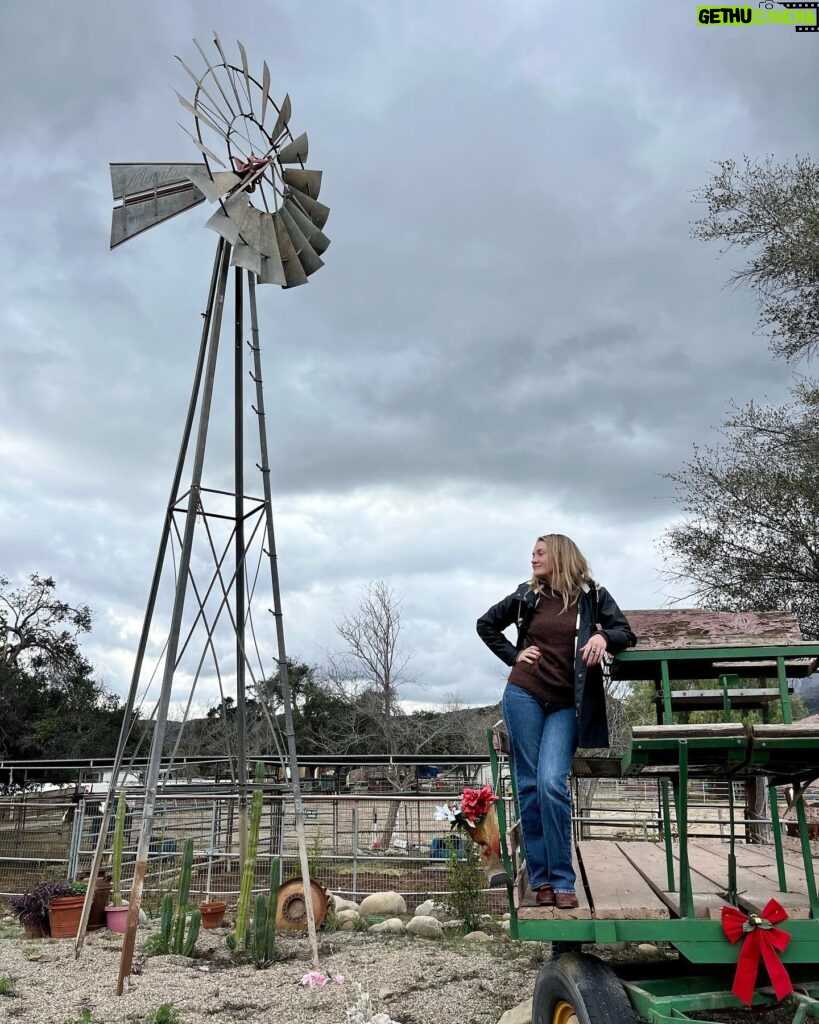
pixel 542 741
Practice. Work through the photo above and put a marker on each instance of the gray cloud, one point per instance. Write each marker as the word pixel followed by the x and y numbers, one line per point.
pixel 513 328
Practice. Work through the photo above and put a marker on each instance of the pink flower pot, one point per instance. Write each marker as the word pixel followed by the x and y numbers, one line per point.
pixel 116 918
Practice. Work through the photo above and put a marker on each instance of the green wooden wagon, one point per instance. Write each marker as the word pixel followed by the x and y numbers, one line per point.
pixel 673 891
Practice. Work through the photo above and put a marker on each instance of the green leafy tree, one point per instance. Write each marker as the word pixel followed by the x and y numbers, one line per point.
pixel 772 210
pixel 751 537
pixel 51 706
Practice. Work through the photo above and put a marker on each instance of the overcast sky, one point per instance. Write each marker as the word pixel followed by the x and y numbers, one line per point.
pixel 513 333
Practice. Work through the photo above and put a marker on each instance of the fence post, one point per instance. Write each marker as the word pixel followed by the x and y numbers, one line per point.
pixel 354 882
pixel 74 840
pixel 211 848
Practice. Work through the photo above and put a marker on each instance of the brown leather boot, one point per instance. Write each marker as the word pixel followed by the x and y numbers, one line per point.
pixel 565 900
pixel 545 896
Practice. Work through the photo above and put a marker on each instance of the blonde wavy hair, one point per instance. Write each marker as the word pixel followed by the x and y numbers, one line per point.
pixel 571 570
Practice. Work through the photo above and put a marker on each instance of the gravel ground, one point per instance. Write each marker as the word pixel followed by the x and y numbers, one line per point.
pixel 416 981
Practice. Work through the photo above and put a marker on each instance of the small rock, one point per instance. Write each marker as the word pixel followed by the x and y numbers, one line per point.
pixel 386 993
pixel 506 917
pixel 348 916
pixel 521 1014
pixel 477 937
pixel 393 925
pixel 486 917
pixel 449 925
pixel 339 904
pixel 429 908
pixel 506 925
pixel 648 950
pixel 347 926
pixel 143 918
pixel 426 927
pixel 383 904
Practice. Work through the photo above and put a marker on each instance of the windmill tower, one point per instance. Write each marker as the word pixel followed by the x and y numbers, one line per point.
pixel 269 222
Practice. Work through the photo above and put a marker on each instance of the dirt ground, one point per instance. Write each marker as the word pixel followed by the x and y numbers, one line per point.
pixel 415 981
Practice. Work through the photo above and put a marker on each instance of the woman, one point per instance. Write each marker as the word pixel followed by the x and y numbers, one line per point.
pixel 554 698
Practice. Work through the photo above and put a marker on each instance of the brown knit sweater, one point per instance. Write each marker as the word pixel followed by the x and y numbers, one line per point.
pixel 552 631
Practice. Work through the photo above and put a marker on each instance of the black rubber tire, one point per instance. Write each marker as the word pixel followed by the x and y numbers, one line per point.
pixel 592 989
pixel 559 948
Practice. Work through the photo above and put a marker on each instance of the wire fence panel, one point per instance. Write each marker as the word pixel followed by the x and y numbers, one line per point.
pixel 358 842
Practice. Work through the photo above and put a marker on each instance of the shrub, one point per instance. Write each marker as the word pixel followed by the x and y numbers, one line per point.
pixel 165 1013
pixel 6 986
pixel 465 880
pixel 31 907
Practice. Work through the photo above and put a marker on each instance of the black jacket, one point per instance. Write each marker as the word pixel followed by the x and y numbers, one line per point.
pixel 597 613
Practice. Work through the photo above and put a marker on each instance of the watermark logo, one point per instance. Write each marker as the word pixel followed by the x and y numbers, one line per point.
pixel 803 16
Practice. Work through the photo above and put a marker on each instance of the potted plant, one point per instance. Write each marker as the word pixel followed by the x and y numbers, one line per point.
pixel 64 912
pixel 213 913
pixel 116 914
pixel 31 907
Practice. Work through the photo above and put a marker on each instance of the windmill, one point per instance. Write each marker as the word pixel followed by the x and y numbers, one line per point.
pixel 269 222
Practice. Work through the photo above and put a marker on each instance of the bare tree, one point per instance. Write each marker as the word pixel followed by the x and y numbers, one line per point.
pixel 372 663
pixel 369 672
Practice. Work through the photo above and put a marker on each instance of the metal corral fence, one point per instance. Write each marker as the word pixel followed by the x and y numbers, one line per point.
pixel 358 842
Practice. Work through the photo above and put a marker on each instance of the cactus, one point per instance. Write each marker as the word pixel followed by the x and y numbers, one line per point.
pixel 179 932
pixel 184 893
pixel 116 866
pixel 272 908
pixel 166 919
pixel 249 868
pixel 193 933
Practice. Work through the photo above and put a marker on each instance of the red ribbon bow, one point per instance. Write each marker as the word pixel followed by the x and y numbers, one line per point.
pixel 760 937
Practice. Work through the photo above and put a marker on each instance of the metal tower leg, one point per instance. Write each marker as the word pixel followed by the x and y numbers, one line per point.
pixel 149 612
pixel 239 456
pixel 277 614
pixel 158 738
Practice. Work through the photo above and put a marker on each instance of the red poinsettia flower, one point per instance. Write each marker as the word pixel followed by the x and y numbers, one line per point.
pixel 475 803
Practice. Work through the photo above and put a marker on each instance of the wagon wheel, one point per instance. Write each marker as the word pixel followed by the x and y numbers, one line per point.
pixel 577 988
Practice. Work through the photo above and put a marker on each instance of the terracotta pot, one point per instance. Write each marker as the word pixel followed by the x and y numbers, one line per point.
pixel 213 913
pixel 116 918
pixel 64 916
pixel 102 894
pixel 35 929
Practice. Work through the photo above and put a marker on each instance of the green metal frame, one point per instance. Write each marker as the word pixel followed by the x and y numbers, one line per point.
pixel 700 941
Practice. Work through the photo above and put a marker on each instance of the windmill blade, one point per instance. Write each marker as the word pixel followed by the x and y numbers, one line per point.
pixel 308 257
pixel 295 151
pixel 220 48
pixel 317 212
pixel 272 269
pixel 305 181
pixel 215 77
pixel 251 233
pixel 132 179
pixel 245 72
pixel 248 257
pixel 202 148
pixel 136 216
pixel 213 186
pixel 317 239
pixel 293 271
pixel 265 90
pixel 200 87
pixel 200 116
pixel 228 220
pixel 283 119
